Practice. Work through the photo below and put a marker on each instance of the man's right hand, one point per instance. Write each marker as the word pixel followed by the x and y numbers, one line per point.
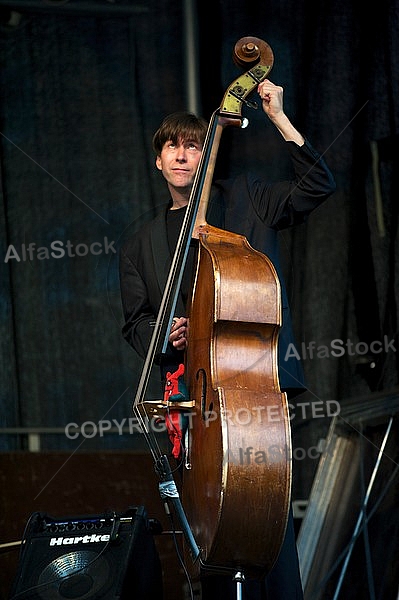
pixel 178 333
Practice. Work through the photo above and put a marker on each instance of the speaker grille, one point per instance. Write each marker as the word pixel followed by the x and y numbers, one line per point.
pixel 79 574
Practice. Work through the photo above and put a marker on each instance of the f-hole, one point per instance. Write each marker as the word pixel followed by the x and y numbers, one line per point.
pixel 204 412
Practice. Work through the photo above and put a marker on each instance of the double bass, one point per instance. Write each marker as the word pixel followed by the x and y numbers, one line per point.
pixel 236 482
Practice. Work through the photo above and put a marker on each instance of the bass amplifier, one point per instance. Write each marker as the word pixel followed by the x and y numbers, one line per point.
pixel 109 557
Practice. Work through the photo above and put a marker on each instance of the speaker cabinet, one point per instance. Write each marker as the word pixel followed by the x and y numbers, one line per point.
pixel 109 557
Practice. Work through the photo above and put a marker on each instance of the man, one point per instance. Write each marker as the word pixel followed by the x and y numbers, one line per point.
pixel 245 205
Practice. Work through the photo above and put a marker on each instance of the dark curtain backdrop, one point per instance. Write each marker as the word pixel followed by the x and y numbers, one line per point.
pixel 81 95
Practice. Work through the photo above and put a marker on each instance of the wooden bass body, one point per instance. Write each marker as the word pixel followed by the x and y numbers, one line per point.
pixel 236 490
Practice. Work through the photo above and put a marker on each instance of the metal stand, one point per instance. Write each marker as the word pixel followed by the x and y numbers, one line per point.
pixel 239 579
pixel 362 514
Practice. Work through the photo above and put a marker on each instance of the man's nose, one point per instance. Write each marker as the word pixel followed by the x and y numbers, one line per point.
pixel 181 153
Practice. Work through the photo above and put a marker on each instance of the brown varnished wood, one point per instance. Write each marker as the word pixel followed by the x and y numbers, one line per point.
pixel 237 492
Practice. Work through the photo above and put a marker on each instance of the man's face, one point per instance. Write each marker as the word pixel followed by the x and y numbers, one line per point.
pixel 179 162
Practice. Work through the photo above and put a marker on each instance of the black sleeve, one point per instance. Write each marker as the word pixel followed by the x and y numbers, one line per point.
pixel 287 203
pixel 138 313
pixel 140 305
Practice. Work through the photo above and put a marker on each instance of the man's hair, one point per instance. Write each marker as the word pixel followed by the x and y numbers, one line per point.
pixel 179 126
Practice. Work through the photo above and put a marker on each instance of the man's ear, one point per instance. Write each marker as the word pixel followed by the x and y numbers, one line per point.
pixel 158 163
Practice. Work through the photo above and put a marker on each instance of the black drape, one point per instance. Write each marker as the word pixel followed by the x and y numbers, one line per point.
pixel 82 93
